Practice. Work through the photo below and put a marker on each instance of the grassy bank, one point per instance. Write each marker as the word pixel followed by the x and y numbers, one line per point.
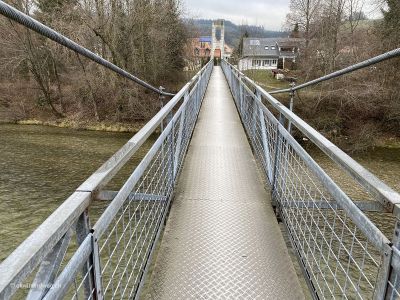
pixel 89 125
pixel 265 79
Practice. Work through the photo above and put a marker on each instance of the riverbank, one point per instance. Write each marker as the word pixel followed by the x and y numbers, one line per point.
pixel 344 142
pixel 84 125
pixel 356 119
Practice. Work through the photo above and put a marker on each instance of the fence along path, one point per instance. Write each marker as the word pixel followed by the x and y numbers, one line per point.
pixel 222 240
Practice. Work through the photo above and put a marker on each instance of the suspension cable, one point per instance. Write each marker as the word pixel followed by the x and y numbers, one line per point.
pixel 27 21
pixel 361 65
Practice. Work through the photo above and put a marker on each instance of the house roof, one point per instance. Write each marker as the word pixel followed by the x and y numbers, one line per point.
pixel 264 46
pixel 258 47
pixel 205 39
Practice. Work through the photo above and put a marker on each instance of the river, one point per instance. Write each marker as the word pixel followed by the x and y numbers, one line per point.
pixel 41 166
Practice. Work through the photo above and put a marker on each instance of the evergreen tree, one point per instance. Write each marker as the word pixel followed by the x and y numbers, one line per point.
pixel 391 26
pixel 240 46
pixel 296 32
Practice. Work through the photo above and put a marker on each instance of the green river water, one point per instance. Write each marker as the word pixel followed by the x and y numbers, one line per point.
pixel 41 166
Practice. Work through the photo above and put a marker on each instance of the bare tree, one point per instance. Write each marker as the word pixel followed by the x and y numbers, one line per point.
pixel 304 13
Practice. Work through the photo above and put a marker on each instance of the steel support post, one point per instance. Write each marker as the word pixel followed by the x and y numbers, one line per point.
pixel 382 288
pixel 241 98
pixel 264 137
pixel 291 105
pixel 278 145
pixel 82 231
pixel 393 276
pixel 98 289
pixel 161 99
pixel 171 141
pixel 254 119
pixel 180 134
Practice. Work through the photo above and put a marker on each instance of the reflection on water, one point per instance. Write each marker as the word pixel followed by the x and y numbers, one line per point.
pixel 39 168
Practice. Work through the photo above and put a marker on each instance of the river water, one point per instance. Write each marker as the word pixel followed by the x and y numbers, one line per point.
pixel 41 166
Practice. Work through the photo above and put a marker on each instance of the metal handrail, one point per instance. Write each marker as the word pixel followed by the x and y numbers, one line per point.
pixel 29 254
pixel 21 18
pixel 361 65
pixel 324 237
pixel 389 198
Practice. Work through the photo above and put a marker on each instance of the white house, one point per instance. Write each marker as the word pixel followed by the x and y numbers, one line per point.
pixel 268 53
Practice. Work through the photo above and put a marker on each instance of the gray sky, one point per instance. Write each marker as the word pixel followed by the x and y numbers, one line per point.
pixel 269 13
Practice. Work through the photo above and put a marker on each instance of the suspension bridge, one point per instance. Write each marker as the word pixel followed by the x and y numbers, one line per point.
pixel 198 217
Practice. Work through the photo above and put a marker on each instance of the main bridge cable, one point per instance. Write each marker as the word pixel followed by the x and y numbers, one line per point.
pixel 361 65
pixel 27 21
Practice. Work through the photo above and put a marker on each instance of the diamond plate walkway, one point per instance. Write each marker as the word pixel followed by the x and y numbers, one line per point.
pixel 222 240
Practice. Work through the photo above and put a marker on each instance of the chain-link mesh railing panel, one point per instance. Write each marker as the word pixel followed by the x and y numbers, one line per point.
pixel 126 245
pixel 128 242
pixel 260 125
pixel 114 257
pixel 82 286
pixel 394 287
pixel 337 255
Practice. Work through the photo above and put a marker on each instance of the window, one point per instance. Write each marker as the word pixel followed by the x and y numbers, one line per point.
pixel 274 62
pixel 266 63
pixel 254 42
pixel 256 63
pixel 266 47
pixel 273 47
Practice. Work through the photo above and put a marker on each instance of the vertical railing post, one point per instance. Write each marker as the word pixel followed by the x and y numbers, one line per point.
pixel 98 289
pixel 180 134
pixel 254 119
pixel 171 142
pixel 277 155
pixel 161 99
pixel 390 274
pixel 292 85
pixel 82 231
pixel 240 101
pixel 382 288
pixel 170 145
pixel 264 137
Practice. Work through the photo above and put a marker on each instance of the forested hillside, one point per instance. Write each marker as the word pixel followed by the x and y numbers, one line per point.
pixel 234 32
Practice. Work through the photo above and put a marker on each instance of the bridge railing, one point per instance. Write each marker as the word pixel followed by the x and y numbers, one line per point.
pixel 110 258
pixel 342 251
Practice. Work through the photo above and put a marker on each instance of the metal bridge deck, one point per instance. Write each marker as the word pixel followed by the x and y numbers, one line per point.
pixel 222 240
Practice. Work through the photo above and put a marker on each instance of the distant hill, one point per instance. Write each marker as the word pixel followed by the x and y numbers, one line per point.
pixel 233 32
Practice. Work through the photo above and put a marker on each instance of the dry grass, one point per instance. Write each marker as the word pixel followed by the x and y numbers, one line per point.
pixel 265 79
pixel 89 125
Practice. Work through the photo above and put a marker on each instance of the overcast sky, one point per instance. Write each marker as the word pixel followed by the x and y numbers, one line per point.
pixel 269 13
